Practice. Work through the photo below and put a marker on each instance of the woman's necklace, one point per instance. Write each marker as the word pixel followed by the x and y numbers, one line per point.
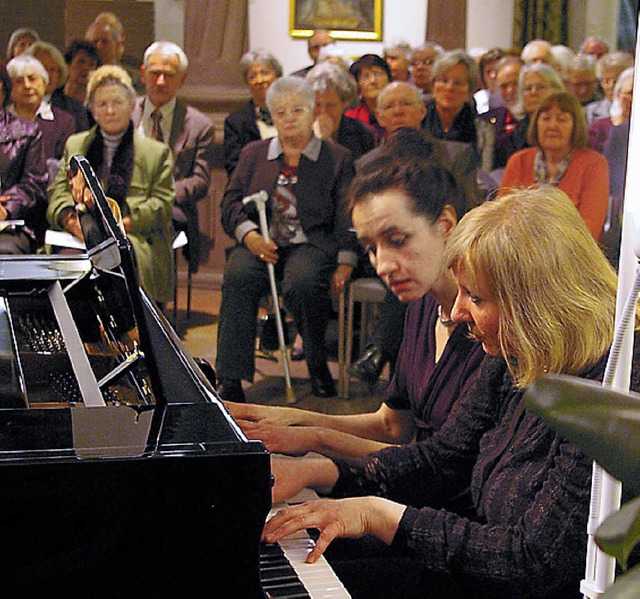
pixel 446 322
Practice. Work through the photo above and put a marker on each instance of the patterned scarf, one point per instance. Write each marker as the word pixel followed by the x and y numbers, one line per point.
pixel 541 171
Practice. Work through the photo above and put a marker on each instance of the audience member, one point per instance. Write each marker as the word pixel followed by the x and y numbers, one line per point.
pixel 320 39
pixel 252 120
pixel 607 70
pixel 136 172
pixel 422 59
pixel 399 106
pixel 487 96
pixel 20 40
pixel 58 71
pixel 335 89
pixel 560 156
pixel 83 59
pixel 449 114
pixel 23 178
pixel 583 81
pixel 620 111
pixel 503 119
pixel 536 80
pixel 397 56
pixel 311 245
pixel 29 80
pixel 524 532
pixel 594 47
pixel 538 51
pixel 108 34
pixel 401 190
pixel 564 58
pixel 189 133
pixel 372 74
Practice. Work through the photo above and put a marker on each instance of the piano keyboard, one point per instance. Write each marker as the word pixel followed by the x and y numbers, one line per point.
pixel 285 574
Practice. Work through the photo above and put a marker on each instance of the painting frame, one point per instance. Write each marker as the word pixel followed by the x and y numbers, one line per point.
pixel 355 20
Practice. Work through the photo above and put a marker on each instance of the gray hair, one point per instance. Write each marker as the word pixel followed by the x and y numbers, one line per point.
pixel 564 57
pixel 261 57
pixel 450 59
pixel 167 49
pixel 505 61
pixel 17 35
pixel 437 48
pixel 333 52
pixel 19 65
pixel 627 74
pixel 54 53
pixel 545 71
pixel 415 92
pixel 327 75
pixel 398 46
pixel 622 60
pixel 526 51
pixel 291 85
pixel 583 63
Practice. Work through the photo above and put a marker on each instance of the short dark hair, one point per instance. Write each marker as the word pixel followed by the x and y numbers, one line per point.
pixel 406 162
pixel 369 60
pixel 85 46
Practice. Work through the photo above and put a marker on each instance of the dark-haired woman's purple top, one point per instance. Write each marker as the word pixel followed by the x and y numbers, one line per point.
pixel 420 384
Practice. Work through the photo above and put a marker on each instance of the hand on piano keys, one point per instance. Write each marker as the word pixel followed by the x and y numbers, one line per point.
pixel 284 571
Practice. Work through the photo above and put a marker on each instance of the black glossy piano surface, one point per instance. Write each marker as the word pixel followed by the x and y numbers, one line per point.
pixel 121 472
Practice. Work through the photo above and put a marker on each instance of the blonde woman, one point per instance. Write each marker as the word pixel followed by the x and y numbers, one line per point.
pixel 537 292
pixel 135 171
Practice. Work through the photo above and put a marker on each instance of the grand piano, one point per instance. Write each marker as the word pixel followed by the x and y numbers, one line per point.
pixel 121 472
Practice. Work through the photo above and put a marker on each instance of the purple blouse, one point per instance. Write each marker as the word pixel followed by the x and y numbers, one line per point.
pixel 427 388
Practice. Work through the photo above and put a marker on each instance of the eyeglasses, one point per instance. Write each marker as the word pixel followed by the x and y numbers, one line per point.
pixel 111 105
pixel 398 104
pixel 532 89
pixel 259 75
pixel 425 61
pixel 458 83
pixel 296 111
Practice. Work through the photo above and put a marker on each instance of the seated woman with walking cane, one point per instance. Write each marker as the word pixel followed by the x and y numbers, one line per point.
pixel 311 246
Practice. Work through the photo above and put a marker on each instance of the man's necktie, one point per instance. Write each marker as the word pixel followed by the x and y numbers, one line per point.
pixel 156 128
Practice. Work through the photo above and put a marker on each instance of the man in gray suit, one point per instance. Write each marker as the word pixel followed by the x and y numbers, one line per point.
pixel 400 107
pixel 187 131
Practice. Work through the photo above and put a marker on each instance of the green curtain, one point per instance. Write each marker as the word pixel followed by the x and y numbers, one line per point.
pixel 540 19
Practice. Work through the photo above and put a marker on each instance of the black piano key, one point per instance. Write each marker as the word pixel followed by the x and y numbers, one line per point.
pixel 277 575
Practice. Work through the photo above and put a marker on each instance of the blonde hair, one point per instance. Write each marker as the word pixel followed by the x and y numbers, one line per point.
pixel 555 289
pixel 110 74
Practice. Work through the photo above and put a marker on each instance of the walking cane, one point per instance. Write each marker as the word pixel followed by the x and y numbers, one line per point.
pixel 260 200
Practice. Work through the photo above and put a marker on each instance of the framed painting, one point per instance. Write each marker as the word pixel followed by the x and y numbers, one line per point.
pixel 345 19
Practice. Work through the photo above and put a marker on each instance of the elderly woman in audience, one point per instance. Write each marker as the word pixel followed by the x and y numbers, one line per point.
pixel 560 156
pixel 450 114
pixel 372 74
pixel 535 81
pixel 410 194
pixel 620 111
pixel 58 71
pixel 135 171
pixel 583 81
pixel 607 69
pixel 524 531
pixel 252 121
pixel 29 79
pixel 335 89
pixel 20 40
pixel 23 179
pixel 311 245
pixel 422 59
pixel 397 55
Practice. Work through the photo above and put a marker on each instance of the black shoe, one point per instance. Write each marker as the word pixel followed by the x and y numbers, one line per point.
pixel 231 390
pixel 322 384
pixel 297 354
pixel 368 367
